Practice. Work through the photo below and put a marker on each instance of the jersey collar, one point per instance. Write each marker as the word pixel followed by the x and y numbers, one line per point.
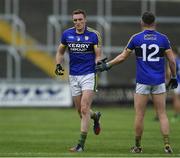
pixel 82 32
pixel 149 31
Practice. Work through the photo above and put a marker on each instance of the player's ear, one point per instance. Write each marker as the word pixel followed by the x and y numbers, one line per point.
pixel 142 23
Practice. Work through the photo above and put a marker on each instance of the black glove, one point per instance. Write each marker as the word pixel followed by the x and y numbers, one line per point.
pixel 172 84
pixel 59 70
pixel 102 65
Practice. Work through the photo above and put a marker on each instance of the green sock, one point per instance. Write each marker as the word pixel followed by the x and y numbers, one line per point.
pixel 82 139
pixel 166 139
pixel 138 141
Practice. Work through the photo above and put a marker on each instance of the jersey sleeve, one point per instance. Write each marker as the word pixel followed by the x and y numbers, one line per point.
pixel 167 44
pixel 130 44
pixel 97 39
pixel 63 39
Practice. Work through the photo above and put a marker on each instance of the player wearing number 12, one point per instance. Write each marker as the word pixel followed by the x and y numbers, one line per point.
pixel 151 48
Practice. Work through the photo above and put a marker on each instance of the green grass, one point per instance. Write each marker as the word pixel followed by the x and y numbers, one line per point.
pixel 50 132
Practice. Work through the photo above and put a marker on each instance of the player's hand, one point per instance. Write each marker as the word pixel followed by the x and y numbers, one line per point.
pixel 59 70
pixel 172 84
pixel 102 65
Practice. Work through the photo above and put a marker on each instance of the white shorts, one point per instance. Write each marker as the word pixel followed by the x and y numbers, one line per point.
pixel 177 90
pixel 82 82
pixel 149 89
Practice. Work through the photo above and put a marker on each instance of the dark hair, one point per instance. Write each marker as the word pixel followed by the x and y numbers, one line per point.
pixel 79 11
pixel 148 18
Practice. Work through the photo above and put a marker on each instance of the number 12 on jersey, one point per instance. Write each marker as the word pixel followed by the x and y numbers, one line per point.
pixel 151 56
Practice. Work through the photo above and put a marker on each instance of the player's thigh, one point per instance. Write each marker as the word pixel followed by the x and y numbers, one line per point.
pixel 140 101
pixel 141 97
pixel 159 97
pixel 88 86
pixel 159 101
pixel 77 101
pixel 87 98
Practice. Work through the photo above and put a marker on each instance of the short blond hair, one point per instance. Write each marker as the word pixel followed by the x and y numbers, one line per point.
pixel 79 11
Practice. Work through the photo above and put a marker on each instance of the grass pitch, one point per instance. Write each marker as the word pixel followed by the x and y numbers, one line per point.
pixel 50 133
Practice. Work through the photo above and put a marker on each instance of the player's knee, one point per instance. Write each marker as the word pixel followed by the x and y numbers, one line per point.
pixel 162 116
pixel 140 117
pixel 84 110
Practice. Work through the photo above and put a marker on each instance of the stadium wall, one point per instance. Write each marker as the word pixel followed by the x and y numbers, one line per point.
pixel 35 94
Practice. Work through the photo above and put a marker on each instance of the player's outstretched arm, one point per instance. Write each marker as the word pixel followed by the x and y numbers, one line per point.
pixel 103 65
pixel 120 58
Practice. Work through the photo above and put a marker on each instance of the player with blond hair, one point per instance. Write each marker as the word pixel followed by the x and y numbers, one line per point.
pixel 84 47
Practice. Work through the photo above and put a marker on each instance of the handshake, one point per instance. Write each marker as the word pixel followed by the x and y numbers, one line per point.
pixel 102 65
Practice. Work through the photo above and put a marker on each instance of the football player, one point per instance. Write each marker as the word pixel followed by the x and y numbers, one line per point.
pixel 151 47
pixel 84 47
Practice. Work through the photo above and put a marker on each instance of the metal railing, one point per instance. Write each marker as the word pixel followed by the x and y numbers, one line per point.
pixel 59 19
pixel 104 19
pixel 12 53
pixel 15 47
pixel 18 26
